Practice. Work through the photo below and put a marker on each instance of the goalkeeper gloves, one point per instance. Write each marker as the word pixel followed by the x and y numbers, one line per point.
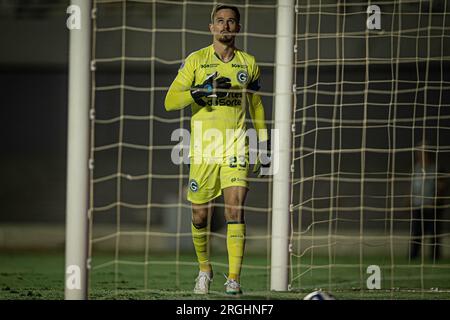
pixel 263 160
pixel 209 89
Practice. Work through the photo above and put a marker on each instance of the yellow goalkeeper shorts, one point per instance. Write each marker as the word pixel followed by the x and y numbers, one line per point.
pixel 207 179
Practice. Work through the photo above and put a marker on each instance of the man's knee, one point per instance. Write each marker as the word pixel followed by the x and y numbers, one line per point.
pixel 234 203
pixel 200 215
pixel 234 210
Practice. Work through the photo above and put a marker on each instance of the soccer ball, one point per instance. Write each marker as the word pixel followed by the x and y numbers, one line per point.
pixel 319 295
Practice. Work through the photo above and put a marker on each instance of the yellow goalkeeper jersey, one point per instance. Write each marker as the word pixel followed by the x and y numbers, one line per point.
pixel 221 117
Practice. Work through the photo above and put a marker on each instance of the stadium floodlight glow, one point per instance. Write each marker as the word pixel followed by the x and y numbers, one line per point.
pixel 77 155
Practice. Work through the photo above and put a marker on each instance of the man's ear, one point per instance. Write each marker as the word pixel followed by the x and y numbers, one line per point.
pixel 211 27
pixel 238 28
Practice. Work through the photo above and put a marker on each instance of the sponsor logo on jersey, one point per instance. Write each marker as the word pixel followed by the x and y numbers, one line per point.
pixel 240 66
pixel 242 77
pixel 224 102
pixel 193 185
pixel 233 99
pixel 212 65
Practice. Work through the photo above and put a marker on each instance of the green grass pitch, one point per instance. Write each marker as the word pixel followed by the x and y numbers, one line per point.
pixel 40 275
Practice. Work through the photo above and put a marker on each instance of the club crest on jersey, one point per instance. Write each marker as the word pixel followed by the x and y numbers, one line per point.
pixel 193 185
pixel 242 77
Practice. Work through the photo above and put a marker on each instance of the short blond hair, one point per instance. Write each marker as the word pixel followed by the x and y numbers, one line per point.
pixel 224 6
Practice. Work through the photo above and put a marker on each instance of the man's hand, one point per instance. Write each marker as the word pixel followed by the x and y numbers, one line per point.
pixel 263 160
pixel 209 88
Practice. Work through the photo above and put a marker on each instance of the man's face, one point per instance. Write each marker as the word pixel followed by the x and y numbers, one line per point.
pixel 224 26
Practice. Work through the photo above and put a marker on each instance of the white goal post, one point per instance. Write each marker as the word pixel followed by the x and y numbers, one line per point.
pixel 77 193
pixel 77 226
pixel 355 91
pixel 282 161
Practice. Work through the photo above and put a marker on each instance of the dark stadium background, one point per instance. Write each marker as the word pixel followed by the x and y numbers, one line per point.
pixel 33 98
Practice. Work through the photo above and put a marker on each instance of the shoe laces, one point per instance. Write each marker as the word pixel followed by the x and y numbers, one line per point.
pixel 231 283
pixel 203 278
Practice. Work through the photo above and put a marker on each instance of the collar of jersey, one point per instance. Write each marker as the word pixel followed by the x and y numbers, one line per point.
pixel 215 54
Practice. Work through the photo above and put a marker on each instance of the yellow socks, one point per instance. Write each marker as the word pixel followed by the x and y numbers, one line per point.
pixel 235 246
pixel 200 239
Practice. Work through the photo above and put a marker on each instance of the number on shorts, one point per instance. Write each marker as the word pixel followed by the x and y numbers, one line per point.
pixel 234 162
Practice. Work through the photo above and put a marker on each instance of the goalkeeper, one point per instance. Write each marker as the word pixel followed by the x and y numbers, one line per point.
pixel 219 82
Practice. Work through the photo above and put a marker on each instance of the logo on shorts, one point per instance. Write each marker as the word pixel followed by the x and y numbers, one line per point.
pixel 242 77
pixel 193 185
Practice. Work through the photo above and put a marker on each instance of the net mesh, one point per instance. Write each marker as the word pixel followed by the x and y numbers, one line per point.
pixel 140 219
pixel 365 103
pixel 368 102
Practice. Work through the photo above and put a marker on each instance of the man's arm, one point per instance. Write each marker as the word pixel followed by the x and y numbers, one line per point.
pixel 257 114
pixel 179 94
pixel 256 108
pixel 178 97
pixel 441 189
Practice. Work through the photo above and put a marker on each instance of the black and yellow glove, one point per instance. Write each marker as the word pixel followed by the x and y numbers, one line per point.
pixel 264 159
pixel 211 87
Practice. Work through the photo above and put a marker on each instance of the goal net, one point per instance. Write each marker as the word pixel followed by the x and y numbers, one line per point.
pixel 371 146
pixel 371 97
pixel 140 237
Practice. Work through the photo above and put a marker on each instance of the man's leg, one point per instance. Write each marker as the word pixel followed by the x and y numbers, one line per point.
pixel 204 186
pixel 416 233
pixel 435 228
pixel 234 198
pixel 201 215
